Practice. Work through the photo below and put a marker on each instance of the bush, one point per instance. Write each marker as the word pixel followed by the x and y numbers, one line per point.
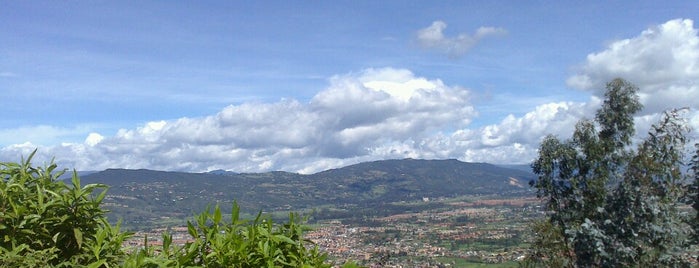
pixel 46 222
pixel 238 243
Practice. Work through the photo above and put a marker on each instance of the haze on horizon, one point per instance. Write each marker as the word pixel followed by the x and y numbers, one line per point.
pixel 304 87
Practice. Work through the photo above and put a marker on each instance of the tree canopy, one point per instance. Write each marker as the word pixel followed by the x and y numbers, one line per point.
pixel 609 204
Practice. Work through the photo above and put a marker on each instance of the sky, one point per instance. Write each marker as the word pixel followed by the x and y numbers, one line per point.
pixel 305 86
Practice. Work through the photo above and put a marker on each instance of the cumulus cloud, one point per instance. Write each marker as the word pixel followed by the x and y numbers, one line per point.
pixel 432 37
pixel 662 61
pixel 357 116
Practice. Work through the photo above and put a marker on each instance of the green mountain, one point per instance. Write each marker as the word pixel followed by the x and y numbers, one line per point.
pixel 146 197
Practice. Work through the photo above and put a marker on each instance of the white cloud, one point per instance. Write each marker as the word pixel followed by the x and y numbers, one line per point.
pixel 354 119
pixel 551 118
pixel 93 139
pixel 432 37
pixel 662 61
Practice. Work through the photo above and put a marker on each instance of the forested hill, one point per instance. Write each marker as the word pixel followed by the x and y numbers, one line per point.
pixel 426 178
pixel 138 195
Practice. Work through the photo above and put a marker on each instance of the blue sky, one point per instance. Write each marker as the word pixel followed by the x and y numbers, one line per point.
pixel 305 86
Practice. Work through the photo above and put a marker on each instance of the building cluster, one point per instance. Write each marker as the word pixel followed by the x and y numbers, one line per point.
pixel 487 233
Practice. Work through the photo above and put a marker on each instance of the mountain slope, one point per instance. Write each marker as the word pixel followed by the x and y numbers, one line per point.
pixel 147 196
pixel 398 180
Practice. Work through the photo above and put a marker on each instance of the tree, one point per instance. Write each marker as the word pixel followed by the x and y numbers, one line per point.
pixel 609 205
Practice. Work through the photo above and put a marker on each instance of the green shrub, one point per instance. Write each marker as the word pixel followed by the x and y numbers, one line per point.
pixel 46 222
pixel 238 243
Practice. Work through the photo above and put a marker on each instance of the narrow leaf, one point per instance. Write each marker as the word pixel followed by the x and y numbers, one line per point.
pixel 78 236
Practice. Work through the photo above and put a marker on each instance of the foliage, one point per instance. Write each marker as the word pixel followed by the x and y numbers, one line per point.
pixel 609 205
pixel 45 222
pixel 217 243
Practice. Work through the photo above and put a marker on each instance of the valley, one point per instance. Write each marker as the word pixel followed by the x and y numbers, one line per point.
pixel 394 213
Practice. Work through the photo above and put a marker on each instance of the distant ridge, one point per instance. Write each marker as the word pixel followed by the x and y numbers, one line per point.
pixel 430 178
pixel 138 195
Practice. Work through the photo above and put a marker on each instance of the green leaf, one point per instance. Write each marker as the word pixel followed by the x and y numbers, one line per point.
pixel 235 213
pixel 192 231
pixel 78 236
pixel 217 215
pixel 76 181
pixel 284 239
pixel 101 196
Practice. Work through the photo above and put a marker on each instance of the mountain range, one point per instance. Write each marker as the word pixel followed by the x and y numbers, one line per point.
pixel 146 196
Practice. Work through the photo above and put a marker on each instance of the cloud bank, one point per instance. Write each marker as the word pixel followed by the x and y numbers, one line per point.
pixel 357 117
pixel 391 113
pixel 432 37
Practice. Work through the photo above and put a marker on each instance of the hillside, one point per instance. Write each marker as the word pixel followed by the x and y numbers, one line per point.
pixel 143 197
